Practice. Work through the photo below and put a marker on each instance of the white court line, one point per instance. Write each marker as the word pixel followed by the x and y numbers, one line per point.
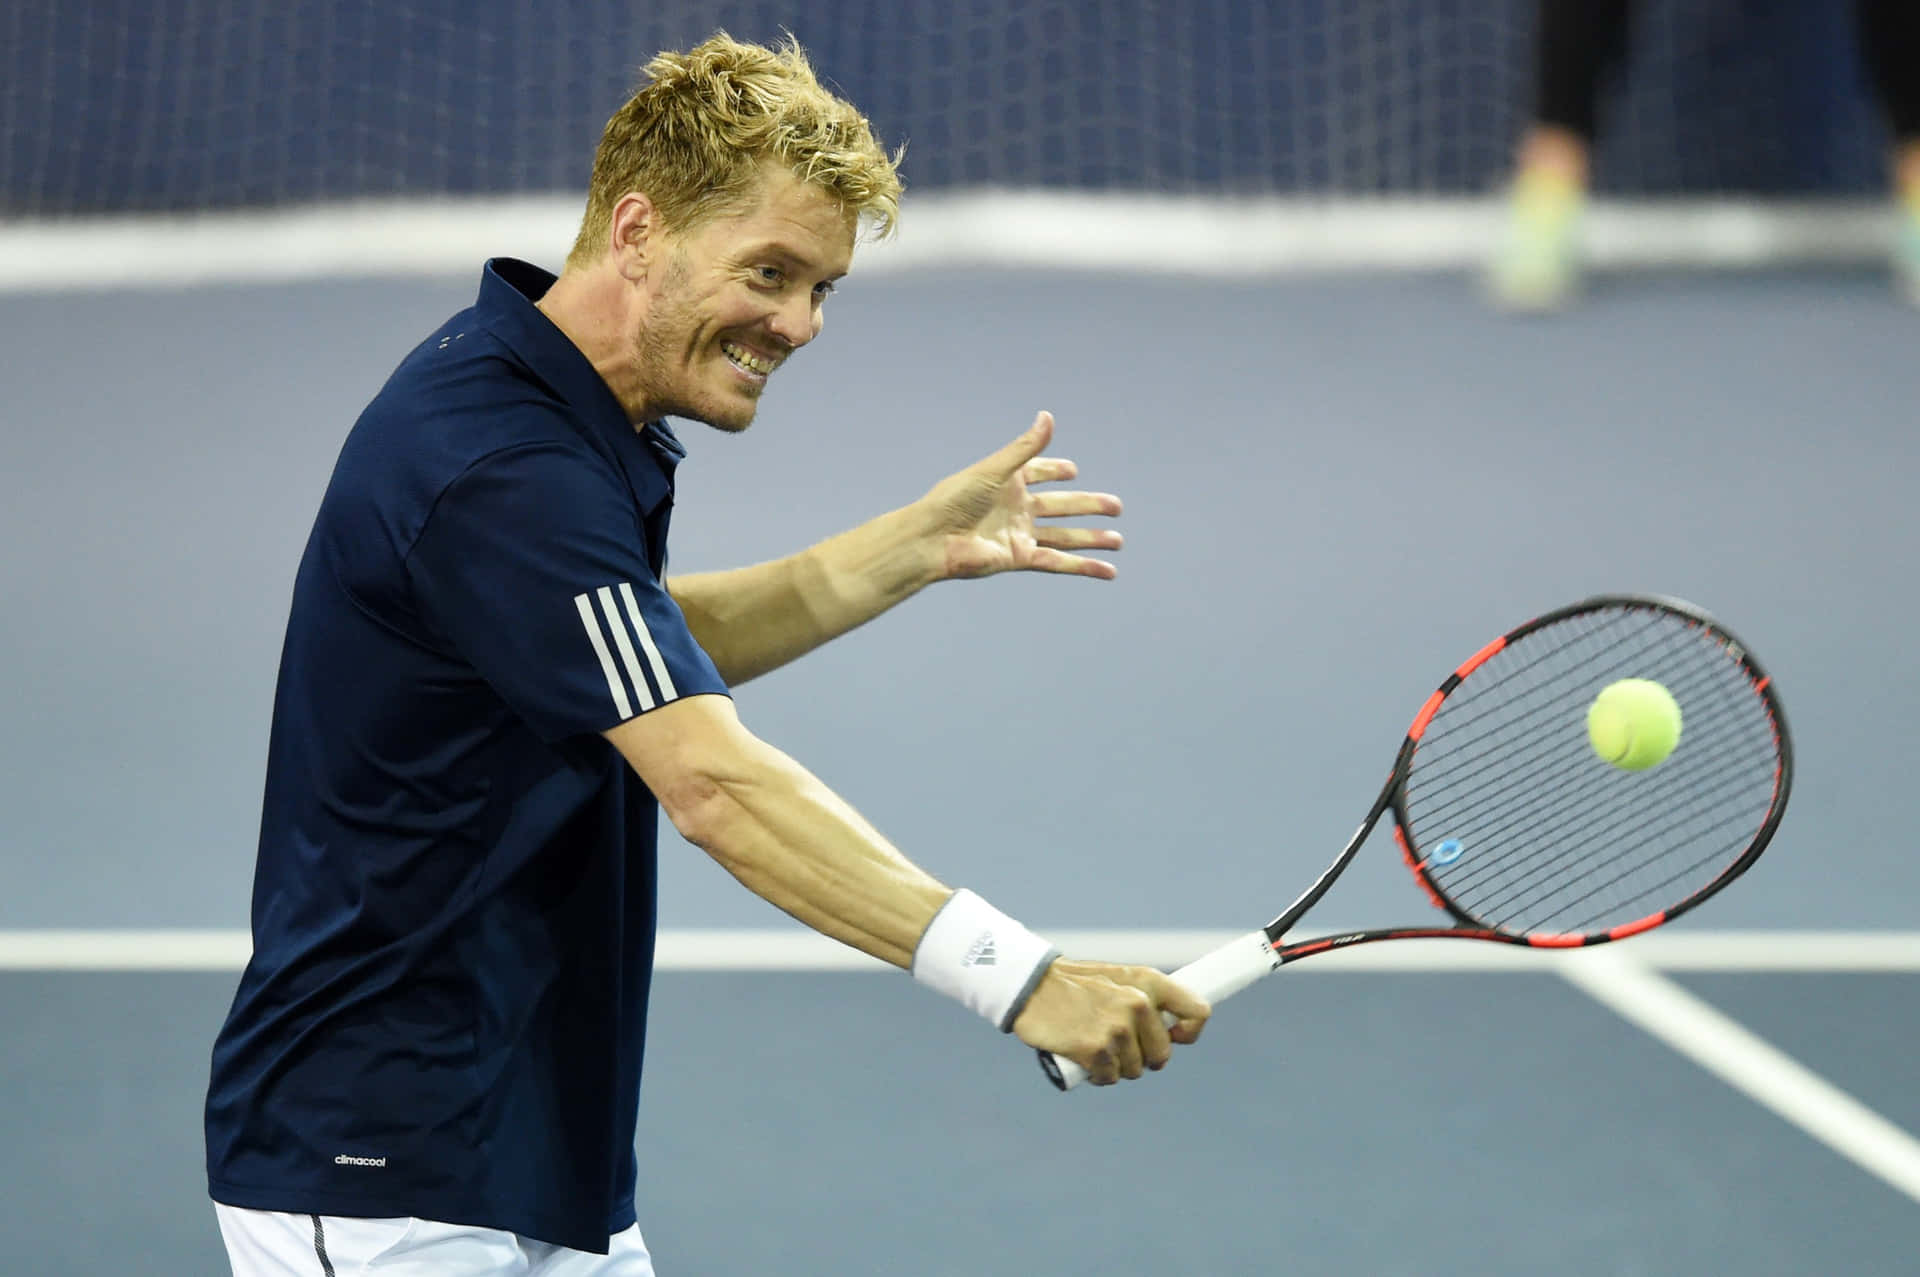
pixel 1748 1063
pixel 172 950
pixel 1194 236
pixel 796 949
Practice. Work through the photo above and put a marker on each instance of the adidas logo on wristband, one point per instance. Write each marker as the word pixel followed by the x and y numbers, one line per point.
pixel 983 959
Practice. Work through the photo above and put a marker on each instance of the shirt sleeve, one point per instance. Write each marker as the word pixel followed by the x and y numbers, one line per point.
pixel 534 566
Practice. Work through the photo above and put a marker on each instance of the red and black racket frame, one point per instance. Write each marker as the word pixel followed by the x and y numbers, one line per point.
pixel 1467 927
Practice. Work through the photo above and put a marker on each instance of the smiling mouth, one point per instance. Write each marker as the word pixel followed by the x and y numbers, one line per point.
pixel 754 366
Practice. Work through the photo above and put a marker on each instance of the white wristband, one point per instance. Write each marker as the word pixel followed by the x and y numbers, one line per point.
pixel 977 955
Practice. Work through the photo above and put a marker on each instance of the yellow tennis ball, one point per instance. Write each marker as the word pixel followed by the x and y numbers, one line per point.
pixel 1633 724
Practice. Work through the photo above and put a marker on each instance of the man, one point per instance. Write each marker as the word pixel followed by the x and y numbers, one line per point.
pixel 433 1058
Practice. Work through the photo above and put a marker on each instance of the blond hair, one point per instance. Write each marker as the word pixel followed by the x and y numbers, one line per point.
pixel 694 136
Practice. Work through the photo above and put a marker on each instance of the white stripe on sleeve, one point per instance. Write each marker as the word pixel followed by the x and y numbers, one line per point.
pixel 599 642
pixel 611 612
pixel 654 662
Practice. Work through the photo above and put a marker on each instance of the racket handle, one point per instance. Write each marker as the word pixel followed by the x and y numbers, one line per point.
pixel 1215 976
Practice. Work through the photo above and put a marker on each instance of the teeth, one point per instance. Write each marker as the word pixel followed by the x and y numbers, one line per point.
pixel 747 359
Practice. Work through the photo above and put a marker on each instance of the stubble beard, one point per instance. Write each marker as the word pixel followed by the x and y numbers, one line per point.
pixel 656 352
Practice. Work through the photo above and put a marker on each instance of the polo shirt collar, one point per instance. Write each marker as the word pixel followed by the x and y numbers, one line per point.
pixel 509 289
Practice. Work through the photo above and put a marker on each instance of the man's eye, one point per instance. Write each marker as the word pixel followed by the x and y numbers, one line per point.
pixel 824 288
pixel 771 275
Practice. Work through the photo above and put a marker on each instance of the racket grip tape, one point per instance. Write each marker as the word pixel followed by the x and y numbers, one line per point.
pixel 1214 976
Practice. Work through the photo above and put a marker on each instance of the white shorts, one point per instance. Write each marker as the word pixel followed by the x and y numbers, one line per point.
pixel 273 1244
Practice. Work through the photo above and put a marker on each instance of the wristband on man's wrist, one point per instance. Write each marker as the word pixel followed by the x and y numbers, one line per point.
pixel 980 957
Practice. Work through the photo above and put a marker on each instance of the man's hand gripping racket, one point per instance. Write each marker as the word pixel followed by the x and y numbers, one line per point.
pixel 1520 831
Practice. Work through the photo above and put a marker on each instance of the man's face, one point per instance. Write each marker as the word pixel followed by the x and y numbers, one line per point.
pixel 735 297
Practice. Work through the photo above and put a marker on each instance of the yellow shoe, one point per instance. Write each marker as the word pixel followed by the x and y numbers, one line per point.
pixel 1536 264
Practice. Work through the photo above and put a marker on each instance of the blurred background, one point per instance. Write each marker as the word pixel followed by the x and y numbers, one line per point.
pixel 1241 250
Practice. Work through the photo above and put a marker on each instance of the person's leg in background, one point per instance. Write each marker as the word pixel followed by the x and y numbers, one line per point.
pixel 1536 263
pixel 1890 46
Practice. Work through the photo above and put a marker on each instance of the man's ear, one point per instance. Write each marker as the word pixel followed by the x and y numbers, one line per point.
pixel 634 235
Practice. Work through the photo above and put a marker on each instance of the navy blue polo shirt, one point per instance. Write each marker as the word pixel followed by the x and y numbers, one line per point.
pixel 453 903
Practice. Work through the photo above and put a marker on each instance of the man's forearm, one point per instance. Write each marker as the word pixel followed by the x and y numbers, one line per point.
pixel 795 843
pixel 755 619
pixel 792 841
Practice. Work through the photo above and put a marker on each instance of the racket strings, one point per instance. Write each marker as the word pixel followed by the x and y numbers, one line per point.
pixel 1535 674
pixel 1544 901
pixel 1608 853
pixel 1614 819
pixel 1547 836
pixel 1481 752
pixel 1652 822
pixel 1598 790
pixel 1733 813
pixel 1484 770
pixel 1683 877
pixel 1487 777
pixel 1541 660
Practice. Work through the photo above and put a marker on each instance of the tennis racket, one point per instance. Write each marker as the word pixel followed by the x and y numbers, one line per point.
pixel 1520 832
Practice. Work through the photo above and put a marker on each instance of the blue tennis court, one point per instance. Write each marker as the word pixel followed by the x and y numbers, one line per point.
pixel 1335 487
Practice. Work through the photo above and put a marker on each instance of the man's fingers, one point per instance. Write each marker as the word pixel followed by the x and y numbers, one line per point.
pixel 1189 1009
pixel 1023 449
pixel 1049 470
pixel 1046 560
pixel 1110 1020
pixel 1078 538
pixel 1054 551
pixel 1156 1047
pixel 1056 505
pixel 1126 1042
